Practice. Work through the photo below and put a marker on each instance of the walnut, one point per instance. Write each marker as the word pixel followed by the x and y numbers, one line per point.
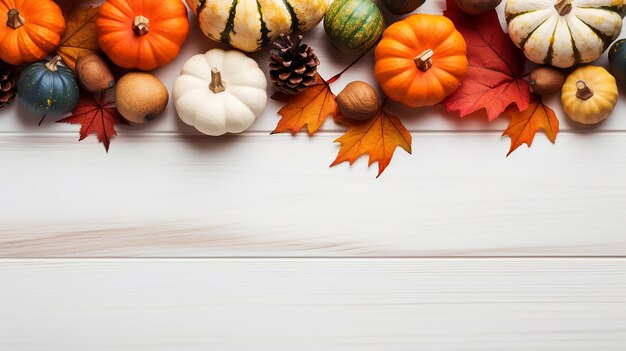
pixel 358 101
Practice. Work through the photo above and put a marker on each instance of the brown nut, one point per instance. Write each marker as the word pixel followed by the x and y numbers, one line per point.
pixel 358 101
pixel 475 7
pixel 140 97
pixel 93 73
pixel 546 80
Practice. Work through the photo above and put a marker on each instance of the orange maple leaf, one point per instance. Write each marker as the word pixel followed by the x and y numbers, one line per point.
pixel 80 36
pixel 379 137
pixel 308 109
pixel 525 124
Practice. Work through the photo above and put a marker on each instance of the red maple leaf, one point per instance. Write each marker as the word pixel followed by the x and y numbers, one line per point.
pixel 95 116
pixel 495 77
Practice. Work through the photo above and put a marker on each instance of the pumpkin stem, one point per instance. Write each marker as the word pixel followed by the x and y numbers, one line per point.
pixel 14 19
pixel 53 64
pixel 584 92
pixel 563 7
pixel 141 25
pixel 216 85
pixel 424 61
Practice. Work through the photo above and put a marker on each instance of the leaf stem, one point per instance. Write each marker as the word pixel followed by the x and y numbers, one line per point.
pixel 338 75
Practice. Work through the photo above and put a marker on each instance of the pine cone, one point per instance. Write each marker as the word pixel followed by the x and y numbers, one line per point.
pixel 293 65
pixel 8 87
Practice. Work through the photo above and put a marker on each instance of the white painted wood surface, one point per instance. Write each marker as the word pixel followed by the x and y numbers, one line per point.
pixel 427 304
pixel 270 221
pixel 256 195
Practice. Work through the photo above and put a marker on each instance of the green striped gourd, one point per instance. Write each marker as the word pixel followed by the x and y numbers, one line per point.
pixel 354 26
pixel 563 33
pixel 249 24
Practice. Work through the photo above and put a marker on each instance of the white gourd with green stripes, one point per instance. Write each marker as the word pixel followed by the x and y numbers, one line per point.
pixel 250 24
pixel 564 33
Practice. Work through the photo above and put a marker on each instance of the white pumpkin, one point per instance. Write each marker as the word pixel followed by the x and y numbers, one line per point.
pixel 249 24
pixel 564 33
pixel 220 92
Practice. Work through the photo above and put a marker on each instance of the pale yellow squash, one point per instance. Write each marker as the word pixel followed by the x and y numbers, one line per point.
pixel 589 95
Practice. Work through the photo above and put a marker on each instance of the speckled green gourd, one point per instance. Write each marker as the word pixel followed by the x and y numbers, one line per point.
pixel 402 7
pixel 47 88
pixel 354 26
pixel 617 59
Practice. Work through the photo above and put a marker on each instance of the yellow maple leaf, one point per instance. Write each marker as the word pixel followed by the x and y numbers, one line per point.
pixel 525 124
pixel 80 34
pixel 308 109
pixel 378 137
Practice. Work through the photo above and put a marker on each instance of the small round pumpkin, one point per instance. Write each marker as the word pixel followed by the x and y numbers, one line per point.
pixel 47 88
pixel 220 92
pixel 589 94
pixel 29 29
pixel 142 34
pixel 354 26
pixel 617 59
pixel 563 33
pixel 417 68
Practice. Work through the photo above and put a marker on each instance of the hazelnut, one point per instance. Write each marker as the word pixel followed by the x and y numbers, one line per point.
pixel 358 101
pixel 93 73
pixel 546 80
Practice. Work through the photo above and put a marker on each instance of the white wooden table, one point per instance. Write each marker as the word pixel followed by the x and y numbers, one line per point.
pixel 176 241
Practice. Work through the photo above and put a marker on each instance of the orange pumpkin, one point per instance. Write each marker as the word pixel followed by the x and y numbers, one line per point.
pixel 421 60
pixel 29 29
pixel 143 34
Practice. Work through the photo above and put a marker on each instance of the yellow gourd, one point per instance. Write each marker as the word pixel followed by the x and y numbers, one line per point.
pixel 589 94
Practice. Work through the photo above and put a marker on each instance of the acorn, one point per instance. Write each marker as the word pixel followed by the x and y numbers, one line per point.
pixel 476 7
pixel 546 80
pixel 140 97
pixel 358 101
pixel 93 73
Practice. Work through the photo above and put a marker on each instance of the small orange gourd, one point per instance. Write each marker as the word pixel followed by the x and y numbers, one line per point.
pixel 421 60
pixel 29 29
pixel 142 34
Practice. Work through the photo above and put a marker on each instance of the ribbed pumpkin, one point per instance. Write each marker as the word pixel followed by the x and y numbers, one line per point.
pixel 589 95
pixel 563 33
pixel 417 67
pixel 249 24
pixel 142 34
pixel 47 88
pixel 29 29
pixel 354 26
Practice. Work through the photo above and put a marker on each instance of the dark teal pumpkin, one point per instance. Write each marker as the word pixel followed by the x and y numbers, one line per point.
pixel 402 7
pixel 354 26
pixel 47 88
pixel 617 59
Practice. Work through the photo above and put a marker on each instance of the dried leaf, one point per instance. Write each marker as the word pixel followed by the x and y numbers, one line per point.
pixel 80 34
pixel 525 124
pixel 95 116
pixel 308 109
pixel 379 137
pixel 495 78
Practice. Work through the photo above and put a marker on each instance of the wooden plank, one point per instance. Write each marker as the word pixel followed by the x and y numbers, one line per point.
pixel 18 119
pixel 427 304
pixel 256 195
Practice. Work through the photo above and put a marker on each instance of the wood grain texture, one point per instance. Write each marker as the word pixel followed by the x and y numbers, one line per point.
pixel 262 196
pixel 365 305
